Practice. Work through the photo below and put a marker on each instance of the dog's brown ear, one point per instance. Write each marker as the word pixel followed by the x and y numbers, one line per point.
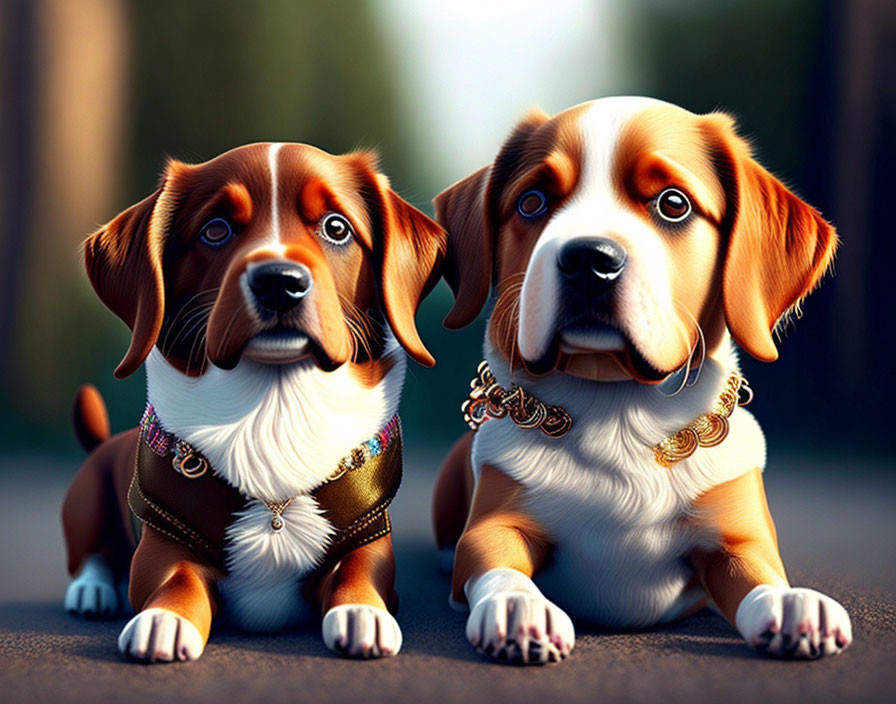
pixel 411 250
pixel 778 248
pixel 466 211
pixel 124 264
pixel 462 210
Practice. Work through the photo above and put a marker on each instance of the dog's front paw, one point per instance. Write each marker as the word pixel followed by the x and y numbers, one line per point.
pixel 92 594
pixel 160 635
pixel 512 620
pixel 520 628
pixel 793 622
pixel 361 631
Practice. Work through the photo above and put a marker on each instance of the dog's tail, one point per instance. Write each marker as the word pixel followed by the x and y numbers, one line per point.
pixel 90 418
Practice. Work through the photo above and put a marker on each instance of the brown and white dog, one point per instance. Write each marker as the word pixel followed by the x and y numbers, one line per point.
pixel 628 242
pixel 271 292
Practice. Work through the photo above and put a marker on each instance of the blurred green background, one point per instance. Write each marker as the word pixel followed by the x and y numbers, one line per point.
pixel 95 94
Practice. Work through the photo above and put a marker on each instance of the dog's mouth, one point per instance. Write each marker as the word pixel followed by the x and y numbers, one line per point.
pixel 285 344
pixel 586 336
pixel 278 345
pixel 590 335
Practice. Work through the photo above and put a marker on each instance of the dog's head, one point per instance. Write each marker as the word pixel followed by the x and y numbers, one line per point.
pixel 618 231
pixel 274 252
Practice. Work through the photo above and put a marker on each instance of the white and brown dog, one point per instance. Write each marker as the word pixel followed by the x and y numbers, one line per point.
pixel 628 241
pixel 271 292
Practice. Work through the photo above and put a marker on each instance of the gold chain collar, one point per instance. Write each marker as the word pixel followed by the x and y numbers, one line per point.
pixel 709 429
pixel 488 400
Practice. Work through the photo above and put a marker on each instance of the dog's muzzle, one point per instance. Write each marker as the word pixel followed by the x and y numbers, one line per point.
pixel 279 286
pixel 591 265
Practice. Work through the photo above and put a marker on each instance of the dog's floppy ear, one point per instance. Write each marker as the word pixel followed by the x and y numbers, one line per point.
pixel 411 250
pixel 461 209
pixel 124 264
pixel 466 211
pixel 778 249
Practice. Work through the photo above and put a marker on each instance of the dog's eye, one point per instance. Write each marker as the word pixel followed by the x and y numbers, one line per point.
pixel 532 204
pixel 216 232
pixel 673 205
pixel 335 229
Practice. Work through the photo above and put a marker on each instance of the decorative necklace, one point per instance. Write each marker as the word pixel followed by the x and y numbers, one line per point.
pixel 709 429
pixel 488 400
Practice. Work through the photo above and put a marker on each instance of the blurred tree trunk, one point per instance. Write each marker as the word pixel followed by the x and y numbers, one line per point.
pixel 66 158
pixel 16 156
pixel 862 192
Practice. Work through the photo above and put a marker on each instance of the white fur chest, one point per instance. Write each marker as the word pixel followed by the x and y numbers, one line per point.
pixel 262 591
pixel 616 517
pixel 274 433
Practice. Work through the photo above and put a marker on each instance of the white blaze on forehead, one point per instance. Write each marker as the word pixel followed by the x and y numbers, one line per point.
pixel 593 210
pixel 273 150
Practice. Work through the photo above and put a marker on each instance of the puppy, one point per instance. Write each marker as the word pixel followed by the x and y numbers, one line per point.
pixel 271 293
pixel 630 243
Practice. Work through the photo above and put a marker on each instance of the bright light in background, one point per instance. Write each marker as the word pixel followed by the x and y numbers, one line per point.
pixel 470 69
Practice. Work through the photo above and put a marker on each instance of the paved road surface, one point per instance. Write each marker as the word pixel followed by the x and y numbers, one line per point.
pixel 835 521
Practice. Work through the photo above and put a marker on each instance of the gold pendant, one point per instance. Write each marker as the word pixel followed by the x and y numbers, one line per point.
pixel 277 508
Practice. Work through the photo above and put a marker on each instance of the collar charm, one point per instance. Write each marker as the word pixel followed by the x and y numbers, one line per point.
pixel 488 400
pixel 188 461
pixel 277 508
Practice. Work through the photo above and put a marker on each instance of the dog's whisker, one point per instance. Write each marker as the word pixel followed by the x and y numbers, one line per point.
pixel 187 304
pixel 702 347
pixel 222 343
pixel 186 311
pixel 195 320
pixel 361 328
pixel 194 325
pixel 359 341
pixel 506 315
pixel 194 349
pixel 698 344
pixel 511 280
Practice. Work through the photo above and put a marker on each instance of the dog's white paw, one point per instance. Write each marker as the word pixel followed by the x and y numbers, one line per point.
pixel 793 622
pixel 92 594
pixel 511 620
pixel 160 635
pixel 361 631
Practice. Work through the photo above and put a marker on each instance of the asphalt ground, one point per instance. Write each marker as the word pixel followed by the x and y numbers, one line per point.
pixel 835 520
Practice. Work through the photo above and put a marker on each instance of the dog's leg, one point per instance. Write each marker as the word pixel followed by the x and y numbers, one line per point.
pixel 173 594
pixel 745 577
pixel 451 500
pixel 95 539
pixel 92 593
pixel 356 597
pixel 501 548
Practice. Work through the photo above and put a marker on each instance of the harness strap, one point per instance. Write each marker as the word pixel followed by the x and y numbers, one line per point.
pixel 196 511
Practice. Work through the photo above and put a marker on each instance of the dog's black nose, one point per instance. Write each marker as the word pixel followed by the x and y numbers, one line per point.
pixel 591 264
pixel 279 286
